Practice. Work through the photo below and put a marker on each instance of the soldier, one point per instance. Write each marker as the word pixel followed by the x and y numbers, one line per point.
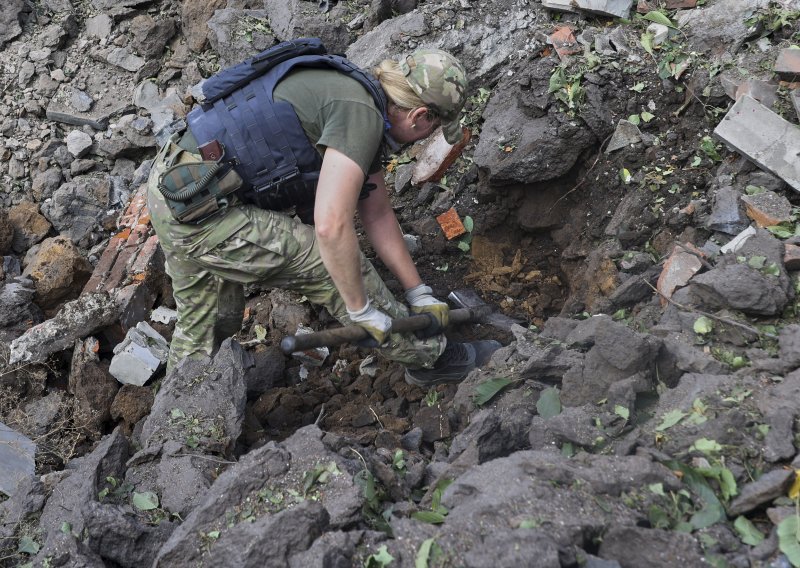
pixel 211 259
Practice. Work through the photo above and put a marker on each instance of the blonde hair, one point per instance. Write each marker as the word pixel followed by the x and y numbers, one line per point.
pixel 397 89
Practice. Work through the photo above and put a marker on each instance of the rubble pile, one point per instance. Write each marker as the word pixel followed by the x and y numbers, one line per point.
pixel 626 198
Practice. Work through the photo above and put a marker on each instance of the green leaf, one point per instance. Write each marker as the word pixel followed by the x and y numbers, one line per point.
pixel 706 446
pixel 620 410
pixel 66 528
pixel 772 270
pixel 703 325
pixel 657 488
pixel 659 18
pixel 647 42
pixel 557 80
pixel 260 331
pixel 757 262
pixel 28 546
pixel 469 224
pixel 789 538
pixel 670 419
pixel 634 119
pixel 781 231
pixel 754 190
pixel 712 511
pixel 646 116
pixel 176 414
pixel 423 554
pixel 696 161
pixel 747 531
pixel 637 87
pixel 463 246
pixel 549 403
pixel 145 501
pixel 625 176
pixel 486 390
pixel 431 517
pixel 213 534
pixel 379 559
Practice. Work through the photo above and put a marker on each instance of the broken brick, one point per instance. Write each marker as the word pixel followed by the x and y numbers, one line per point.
pixel 451 224
pixel 791 256
pixel 678 270
pixel 788 64
pixel 436 156
pixel 564 42
pixel 768 208
pixel 764 92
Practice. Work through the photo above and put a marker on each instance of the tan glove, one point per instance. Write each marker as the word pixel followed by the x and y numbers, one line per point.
pixel 374 321
pixel 421 301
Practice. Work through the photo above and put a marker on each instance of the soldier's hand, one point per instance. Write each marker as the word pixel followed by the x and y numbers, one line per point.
pixel 375 322
pixel 421 301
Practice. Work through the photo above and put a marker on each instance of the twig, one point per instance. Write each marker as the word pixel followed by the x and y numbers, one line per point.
pixel 699 257
pixel 376 417
pixel 321 415
pixel 583 179
pixel 710 315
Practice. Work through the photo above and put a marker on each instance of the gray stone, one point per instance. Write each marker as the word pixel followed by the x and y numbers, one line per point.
pixel 78 143
pixel 762 491
pixel 150 36
pixel 140 355
pixel 79 318
pixel 16 295
pixel 291 19
pixel 655 548
pixel 740 287
pixel 560 5
pixel 80 101
pixel 625 134
pixel 110 91
pixel 10 12
pixel 165 315
pixel 147 95
pixel 234 36
pixel 16 459
pixel 123 58
pixel 402 177
pixel 271 537
pixel 99 26
pixel 763 137
pixel 719 29
pixel 70 501
pixel 78 206
pixel 795 96
pixel 727 215
pixel 787 65
pixel 613 8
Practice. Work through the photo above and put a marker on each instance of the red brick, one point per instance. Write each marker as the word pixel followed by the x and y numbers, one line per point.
pixel 678 270
pixel 564 42
pixel 104 265
pixel 436 156
pixel 791 257
pixel 451 224
pixel 788 64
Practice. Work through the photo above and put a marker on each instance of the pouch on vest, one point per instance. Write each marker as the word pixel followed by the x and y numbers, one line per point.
pixel 194 189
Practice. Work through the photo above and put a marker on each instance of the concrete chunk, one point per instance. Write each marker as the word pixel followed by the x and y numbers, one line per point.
pixel 16 459
pixel 613 8
pixel 763 137
pixel 627 133
pixel 768 208
pixel 139 356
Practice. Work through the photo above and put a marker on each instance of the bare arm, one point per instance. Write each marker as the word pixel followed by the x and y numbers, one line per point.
pixel 339 184
pixel 383 231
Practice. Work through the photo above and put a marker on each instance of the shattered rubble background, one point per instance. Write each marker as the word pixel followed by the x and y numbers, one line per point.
pixel 626 202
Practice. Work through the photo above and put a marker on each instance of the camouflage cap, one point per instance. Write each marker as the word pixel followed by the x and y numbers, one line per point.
pixel 439 80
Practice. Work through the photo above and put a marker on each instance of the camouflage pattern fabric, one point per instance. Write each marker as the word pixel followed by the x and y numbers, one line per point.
pixel 439 80
pixel 210 262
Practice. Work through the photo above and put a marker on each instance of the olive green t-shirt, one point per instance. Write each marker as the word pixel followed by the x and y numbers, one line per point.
pixel 337 112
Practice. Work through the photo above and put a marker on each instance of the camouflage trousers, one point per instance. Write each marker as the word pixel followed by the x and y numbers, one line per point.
pixel 211 261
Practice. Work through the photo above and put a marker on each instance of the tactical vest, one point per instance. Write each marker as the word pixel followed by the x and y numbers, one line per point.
pixel 263 138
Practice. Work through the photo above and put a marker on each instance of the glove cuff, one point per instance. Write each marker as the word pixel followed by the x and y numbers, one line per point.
pixel 358 313
pixel 413 294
